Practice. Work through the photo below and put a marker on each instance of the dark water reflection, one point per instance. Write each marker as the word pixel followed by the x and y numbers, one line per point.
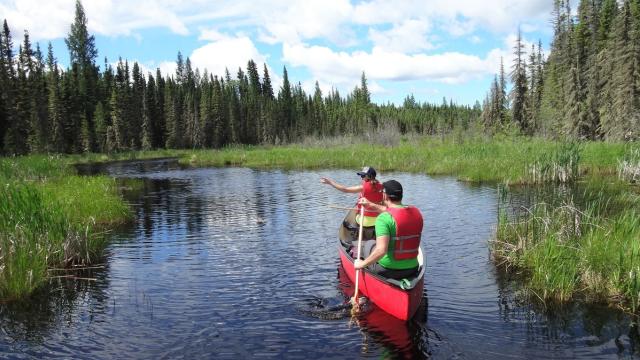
pixel 226 263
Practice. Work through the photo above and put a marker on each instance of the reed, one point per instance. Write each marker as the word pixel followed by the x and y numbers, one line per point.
pixel 50 218
pixel 509 160
pixel 561 165
pixel 629 166
pixel 591 250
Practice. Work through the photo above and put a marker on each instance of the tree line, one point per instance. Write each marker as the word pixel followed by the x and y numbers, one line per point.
pixel 86 108
pixel 589 85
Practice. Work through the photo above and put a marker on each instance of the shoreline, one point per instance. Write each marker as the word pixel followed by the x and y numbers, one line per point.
pixel 507 161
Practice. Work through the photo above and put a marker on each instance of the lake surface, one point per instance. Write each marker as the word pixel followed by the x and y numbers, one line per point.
pixel 234 263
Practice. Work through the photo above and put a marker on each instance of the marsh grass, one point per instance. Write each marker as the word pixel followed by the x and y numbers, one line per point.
pixel 629 166
pixel 508 160
pixel 50 217
pixel 564 249
pixel 560 165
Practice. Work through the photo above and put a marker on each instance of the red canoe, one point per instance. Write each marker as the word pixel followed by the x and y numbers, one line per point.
pixel 400 298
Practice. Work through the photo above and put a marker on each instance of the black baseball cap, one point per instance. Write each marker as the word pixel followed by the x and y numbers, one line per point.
pixel 367 171
pixel 393 189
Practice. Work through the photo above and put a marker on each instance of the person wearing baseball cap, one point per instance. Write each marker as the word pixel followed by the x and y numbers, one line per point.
pixel 370 189
pixel 394 253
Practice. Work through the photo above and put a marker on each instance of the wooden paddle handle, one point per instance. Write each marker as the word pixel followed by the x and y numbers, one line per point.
pixel 355 293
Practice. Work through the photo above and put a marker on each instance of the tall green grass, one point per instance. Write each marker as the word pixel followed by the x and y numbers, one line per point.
pixel 560 165
pixel 475 159
pixel 558 258
pixel 50 217
pixel 591 249
pixel 629 166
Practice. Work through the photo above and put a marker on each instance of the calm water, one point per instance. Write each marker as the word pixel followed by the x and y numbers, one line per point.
pixel 234 263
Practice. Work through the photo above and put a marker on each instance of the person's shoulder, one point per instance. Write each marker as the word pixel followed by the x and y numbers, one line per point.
pixel 385 216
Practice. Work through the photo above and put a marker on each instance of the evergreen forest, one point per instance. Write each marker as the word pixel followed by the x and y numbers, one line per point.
pixel 586 88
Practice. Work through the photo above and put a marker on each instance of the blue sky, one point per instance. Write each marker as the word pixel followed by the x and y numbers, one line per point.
pixel 431 48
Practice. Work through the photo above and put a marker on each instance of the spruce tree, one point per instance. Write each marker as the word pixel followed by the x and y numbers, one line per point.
pixel 285 100
pixel 82 55
pixel 319 115
pixel 100 120
pixel 219 114
pixel 519 91
pixel 502 100
pixel 267 88
pixel 7 87
pixel 624 122
pixel 150 115
pixel 147 132
pixel 159 120
pixel 39 98
pixel 136 108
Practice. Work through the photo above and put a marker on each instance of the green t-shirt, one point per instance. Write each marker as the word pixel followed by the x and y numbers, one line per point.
pixel 385 225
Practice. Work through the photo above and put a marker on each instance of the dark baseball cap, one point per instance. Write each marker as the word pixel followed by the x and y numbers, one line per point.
pixel 393 189
pixel 367 171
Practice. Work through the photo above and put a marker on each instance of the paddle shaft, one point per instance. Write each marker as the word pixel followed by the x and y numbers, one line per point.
pixel 355 293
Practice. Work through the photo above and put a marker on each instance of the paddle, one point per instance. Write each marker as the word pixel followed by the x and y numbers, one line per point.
pixel 354 301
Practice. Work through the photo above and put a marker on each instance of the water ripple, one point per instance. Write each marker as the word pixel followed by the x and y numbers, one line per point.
pixel 239 263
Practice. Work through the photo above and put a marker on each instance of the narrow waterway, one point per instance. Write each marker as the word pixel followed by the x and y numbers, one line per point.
pixel 235 263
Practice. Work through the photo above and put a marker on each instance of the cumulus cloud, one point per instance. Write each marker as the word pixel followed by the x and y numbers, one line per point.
pixel 226 53
pixel 402 37
pixel 47 20
pixel 167 68
pixel 342 67
pixel 288 21
pixel 52 19
pixel 295 21
pixel 408 36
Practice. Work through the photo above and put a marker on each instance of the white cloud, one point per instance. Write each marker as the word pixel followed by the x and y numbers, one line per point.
pixel 294 21
pixel 398 33
pixel 384 11
pixel 376 89
pixel 211 34
pixel 52 19
pixel 43 19
pixel 457 17
pixel 379 64
pixel 289 21
pixel 408 36
pixel 167 68
pixel 226 53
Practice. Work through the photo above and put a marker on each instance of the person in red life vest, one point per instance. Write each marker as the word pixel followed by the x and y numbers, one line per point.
pixel 394 253
pixel 370 189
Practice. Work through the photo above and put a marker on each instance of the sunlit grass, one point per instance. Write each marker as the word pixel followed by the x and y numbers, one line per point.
pixel 507 160
pixel 598 254
pixel 565 251
pixel 50 217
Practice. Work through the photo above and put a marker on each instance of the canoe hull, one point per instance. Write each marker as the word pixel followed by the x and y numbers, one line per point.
pixel 400 303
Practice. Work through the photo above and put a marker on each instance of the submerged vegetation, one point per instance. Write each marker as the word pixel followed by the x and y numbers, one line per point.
pixel 50 217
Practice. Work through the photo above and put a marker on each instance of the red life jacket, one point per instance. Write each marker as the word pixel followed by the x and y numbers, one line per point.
pixel 408 232
pixel 373 193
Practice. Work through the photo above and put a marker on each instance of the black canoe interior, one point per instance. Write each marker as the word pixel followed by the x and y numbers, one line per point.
pixel 349 236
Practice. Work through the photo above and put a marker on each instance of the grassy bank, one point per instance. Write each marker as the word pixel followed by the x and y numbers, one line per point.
pixel 588 247
pixel 508 161
pixel 50 218
pixel 584 244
